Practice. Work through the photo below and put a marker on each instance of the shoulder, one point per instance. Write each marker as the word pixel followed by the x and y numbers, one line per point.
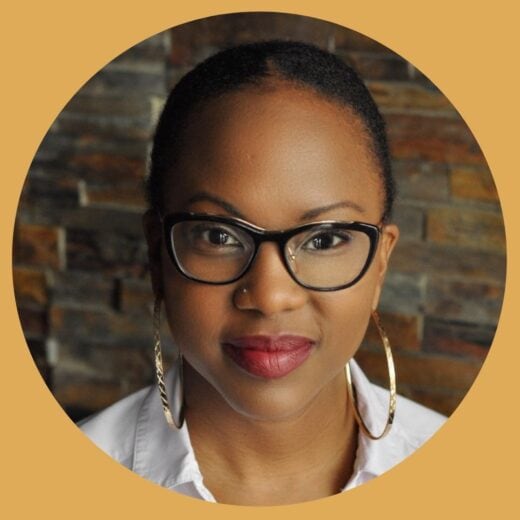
pixel 134 432
pixel 413 425
pixel 114 429
pixel 415 417
pixel 414 421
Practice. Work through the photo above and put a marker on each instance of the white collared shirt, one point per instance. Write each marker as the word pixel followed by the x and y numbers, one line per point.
pixel 134 432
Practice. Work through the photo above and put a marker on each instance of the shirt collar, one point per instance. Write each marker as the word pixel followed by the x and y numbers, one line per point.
pixel 165 455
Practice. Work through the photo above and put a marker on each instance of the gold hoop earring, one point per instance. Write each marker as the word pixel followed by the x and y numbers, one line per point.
pixel 392 379
pixel 173 419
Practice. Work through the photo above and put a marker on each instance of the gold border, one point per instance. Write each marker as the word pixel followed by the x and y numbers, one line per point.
pixel 468 49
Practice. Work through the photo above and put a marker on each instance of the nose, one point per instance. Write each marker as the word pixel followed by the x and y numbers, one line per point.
pixel 270 289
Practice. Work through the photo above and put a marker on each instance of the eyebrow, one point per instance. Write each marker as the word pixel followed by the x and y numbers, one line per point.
pixel 311 214
pixel 203 196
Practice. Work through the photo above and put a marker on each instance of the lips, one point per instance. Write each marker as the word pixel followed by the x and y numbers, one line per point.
pixel 269 357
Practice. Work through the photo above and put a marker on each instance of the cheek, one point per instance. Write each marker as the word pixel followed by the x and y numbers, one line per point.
pixel 348 313
pixel 195 312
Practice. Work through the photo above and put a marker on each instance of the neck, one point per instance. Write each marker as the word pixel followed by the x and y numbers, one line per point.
pixel 312 450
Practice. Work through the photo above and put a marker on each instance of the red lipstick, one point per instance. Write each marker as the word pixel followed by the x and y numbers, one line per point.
pixel 269 357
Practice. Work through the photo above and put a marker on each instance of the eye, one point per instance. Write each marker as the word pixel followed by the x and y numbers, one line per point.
pixel 324 240
pixel 214 235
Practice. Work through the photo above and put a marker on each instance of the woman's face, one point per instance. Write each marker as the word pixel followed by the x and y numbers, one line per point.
pixel 272 156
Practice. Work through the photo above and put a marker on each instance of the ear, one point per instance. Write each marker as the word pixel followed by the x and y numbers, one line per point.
pixel 153 233
pixel 389 238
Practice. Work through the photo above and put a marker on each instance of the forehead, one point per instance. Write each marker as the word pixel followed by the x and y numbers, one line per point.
pixel 275 153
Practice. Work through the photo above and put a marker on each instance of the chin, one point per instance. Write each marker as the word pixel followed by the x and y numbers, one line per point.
pixel 270 405
pixel 254 398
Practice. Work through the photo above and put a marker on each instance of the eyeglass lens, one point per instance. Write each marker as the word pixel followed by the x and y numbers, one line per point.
pixel 323 256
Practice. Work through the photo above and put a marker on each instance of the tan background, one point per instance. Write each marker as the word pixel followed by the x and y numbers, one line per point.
pixel 468 469
pixel 81 278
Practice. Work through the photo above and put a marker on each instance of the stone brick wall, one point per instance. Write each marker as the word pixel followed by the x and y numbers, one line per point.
pixel 80 272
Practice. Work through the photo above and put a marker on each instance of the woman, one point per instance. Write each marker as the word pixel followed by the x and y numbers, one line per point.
pixel 269 236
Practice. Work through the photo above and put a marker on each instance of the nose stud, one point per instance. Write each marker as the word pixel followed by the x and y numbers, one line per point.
pixel 239 294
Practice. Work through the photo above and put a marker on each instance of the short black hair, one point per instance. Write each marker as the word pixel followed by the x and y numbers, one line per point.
pixel 251 64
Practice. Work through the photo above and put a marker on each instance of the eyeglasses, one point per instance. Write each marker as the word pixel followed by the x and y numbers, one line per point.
pixel 322 256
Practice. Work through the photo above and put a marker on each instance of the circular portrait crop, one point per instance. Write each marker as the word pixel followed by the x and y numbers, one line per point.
pixel 259 258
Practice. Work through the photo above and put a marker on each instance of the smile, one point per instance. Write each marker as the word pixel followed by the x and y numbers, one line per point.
pixel 269 357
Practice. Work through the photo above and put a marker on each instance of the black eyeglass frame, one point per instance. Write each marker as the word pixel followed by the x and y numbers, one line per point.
pixel 260 235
